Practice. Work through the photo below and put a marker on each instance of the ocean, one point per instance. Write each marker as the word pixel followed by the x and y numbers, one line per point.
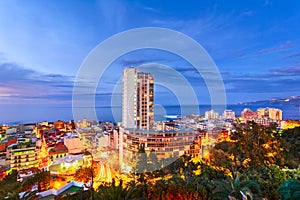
pixel 289 111
pixel 34 113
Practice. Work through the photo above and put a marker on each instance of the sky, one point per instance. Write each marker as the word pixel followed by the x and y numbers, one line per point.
pixel 254 44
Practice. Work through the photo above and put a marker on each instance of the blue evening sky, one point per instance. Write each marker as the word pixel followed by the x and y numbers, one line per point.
pixel 254 43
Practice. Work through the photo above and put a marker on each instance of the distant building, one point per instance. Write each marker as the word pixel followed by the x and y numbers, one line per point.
pixel 11 131
pixel 211 115
pixel 263 116
pixel 229 114
pixel 84 123
pixel 267 121
pixel 27 127
pixel 60 125
pixel 248 115
pixel 271 113
pixel 137 99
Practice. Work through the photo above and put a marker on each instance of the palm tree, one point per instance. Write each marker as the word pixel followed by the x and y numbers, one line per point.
pixel 115 192
pixel 269 178
pixel 158 190
pixel 202 186
pixel 235 189
pixel 10 187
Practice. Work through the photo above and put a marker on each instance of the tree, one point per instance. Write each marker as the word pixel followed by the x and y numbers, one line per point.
pixel 10 187
pixel 250 146
pixel 234 188
pixel 290 190
pixel 291 141
pixel 84 174
pixel 43 179
pixel 269 178
pixel 112 191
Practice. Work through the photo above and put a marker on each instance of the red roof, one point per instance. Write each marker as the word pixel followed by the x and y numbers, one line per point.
pixel 58 149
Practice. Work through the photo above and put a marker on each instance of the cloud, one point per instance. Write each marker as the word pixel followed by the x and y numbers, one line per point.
pixel 136 62
pixel 285 45
pixel 22 85
pixel 248 13
pixel 278 80
pixel 283 72
pixel 207 24
pixel 262 86
pixel 151 9
pixel 293 55
pixel 240 54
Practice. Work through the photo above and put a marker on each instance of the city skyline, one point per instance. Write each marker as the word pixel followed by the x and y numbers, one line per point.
pixel 254 45
pixel 149 99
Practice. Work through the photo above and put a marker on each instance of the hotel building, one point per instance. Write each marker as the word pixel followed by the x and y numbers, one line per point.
pixel 137 101
pixel 137 130
pixel 229 114
pixel 271 113
pixel 248 115
pixel 211 115
pixel 165 144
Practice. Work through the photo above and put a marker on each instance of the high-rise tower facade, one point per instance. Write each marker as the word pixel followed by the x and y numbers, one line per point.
pixel 137 99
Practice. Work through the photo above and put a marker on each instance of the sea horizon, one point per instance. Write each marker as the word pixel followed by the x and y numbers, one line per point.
pixel 105 113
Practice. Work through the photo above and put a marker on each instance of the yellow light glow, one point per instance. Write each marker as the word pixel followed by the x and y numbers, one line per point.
pixel 56 185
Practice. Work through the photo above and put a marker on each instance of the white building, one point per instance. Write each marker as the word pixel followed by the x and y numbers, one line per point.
pixel 137 99
pixel 211 115
pixel 228 114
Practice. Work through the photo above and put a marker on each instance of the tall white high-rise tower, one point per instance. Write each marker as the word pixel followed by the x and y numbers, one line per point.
pixel 137 99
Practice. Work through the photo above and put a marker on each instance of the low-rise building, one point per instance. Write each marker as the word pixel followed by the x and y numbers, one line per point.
pixel 22 155
pixel 248 115
pixel 271 113
pixel 228 114
pixel 164 144
pixel 58 151
pixel 211 115
pixel 74 145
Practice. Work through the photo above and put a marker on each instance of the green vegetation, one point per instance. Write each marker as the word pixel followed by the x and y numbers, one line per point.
pixel 10 187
